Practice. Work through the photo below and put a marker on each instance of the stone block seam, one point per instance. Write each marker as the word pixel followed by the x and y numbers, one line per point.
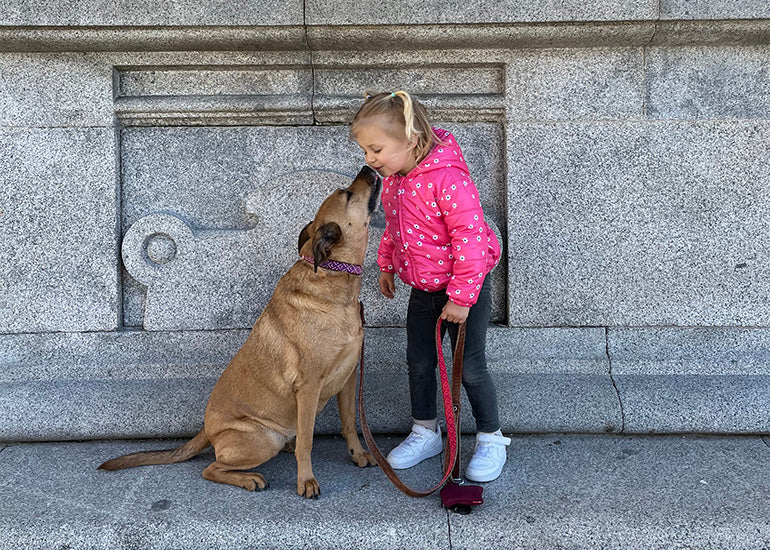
pixel 614 385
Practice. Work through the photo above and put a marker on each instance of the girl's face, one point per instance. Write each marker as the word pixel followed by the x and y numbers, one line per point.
pixel 382 151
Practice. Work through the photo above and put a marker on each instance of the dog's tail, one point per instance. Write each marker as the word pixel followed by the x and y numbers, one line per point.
pixel 170 456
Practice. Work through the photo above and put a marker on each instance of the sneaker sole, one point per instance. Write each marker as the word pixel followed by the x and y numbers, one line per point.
pixel 483 478
pixel 414 462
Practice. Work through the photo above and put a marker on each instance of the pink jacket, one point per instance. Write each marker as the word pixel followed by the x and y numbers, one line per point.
pixel 435 234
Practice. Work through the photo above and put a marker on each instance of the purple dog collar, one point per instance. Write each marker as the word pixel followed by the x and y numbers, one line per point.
pixel 333 265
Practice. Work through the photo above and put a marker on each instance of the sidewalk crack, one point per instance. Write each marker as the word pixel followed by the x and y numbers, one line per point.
pixel 763 439
pixel 612 379
pixel 449 527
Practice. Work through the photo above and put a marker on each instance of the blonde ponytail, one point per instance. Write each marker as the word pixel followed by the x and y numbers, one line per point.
pixel 405 114
pixel 408 114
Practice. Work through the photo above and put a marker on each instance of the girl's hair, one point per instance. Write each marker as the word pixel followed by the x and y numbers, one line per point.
pixel 408 117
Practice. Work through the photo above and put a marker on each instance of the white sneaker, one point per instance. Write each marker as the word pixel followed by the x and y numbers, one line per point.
pixel 488 458
pixel 419 445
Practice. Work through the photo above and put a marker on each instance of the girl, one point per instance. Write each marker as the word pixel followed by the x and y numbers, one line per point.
pixel 437 241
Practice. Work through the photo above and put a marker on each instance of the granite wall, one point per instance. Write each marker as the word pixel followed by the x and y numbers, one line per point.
pixel 157 161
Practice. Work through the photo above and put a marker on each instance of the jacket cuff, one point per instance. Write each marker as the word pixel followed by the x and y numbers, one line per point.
pixel 460 302
pixel 386 267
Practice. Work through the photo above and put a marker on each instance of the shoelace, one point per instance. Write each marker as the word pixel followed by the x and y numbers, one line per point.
pixel 483 450
pixel 413 439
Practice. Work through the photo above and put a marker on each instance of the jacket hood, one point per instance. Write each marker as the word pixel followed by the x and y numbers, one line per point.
pixel 446 153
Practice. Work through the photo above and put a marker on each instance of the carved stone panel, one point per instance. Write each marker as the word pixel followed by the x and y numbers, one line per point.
pixel 210 217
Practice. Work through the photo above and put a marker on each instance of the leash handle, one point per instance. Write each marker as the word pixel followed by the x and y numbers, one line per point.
pixel 451 413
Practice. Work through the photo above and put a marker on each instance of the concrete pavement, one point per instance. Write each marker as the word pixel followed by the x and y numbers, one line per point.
pixel 557 492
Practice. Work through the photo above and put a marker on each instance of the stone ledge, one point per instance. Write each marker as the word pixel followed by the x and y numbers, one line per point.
pixel 157 355
pixel 671 403
pixel 692 380
pixel 156 384
pixel 383 37
pixel 704 351
pixel 139 39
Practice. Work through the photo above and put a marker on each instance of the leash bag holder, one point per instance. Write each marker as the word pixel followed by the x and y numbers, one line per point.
pixel 455 494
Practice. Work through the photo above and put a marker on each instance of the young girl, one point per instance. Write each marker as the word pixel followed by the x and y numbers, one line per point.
pixel 437 241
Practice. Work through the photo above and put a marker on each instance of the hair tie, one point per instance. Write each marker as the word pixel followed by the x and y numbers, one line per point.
pixel 392 94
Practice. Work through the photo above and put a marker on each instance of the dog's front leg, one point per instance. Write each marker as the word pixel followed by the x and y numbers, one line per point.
pixel 346 401
pixel 307 397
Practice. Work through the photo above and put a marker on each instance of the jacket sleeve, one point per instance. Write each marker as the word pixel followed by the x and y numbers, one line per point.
pixel 385 253
pixel 464 218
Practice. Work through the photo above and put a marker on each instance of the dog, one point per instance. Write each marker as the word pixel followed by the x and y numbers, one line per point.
pixel 302 350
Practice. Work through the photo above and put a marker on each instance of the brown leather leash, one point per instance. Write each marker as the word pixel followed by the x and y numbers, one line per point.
pixel 451 413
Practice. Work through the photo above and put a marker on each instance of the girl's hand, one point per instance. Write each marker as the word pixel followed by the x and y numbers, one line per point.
pixel 387 285
pixel 454 313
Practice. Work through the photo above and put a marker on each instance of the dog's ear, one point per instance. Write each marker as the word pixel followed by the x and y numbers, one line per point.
pixel 328 235
pixel 304 235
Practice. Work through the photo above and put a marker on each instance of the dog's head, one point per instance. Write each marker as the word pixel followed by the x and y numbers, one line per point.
pixel 340 230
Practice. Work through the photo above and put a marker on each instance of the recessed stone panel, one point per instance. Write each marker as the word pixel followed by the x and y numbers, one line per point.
pixel 277 93
pixel 453 87
pixel 217 80
pixel 233 201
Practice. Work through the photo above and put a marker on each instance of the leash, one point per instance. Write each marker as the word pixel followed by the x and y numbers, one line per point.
pixel 451 413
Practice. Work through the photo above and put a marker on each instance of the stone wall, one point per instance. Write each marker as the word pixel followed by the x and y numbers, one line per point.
pixel 157 162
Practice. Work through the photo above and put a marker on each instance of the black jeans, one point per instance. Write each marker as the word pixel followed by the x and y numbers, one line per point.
pixel 424 310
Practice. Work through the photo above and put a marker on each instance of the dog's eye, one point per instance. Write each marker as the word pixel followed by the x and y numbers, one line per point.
pixel 350 194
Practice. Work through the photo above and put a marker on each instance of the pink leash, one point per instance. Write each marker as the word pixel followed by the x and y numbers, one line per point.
pixel 451 412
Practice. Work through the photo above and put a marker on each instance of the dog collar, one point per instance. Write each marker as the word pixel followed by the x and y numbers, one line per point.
pixel 333 265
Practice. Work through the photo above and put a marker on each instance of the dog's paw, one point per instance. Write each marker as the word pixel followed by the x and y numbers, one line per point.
pixel 308 488
pixel 363 459
pixel 255 482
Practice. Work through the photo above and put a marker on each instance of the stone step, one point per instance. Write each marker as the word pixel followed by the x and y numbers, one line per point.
pixel 138 384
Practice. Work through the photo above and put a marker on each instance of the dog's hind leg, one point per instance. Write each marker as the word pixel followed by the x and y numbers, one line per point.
pixel 237 451
pixel 290 446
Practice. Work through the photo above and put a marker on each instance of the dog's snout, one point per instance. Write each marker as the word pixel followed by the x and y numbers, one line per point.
pixel 374 181
pixel 369 174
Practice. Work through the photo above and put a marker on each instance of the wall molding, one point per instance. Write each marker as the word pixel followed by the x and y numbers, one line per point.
pixel 588 34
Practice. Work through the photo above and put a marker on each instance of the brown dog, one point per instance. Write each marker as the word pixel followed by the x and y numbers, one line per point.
pixel 302 350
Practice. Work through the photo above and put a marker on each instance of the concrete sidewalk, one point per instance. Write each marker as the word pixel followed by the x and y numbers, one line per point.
pixel 557 492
